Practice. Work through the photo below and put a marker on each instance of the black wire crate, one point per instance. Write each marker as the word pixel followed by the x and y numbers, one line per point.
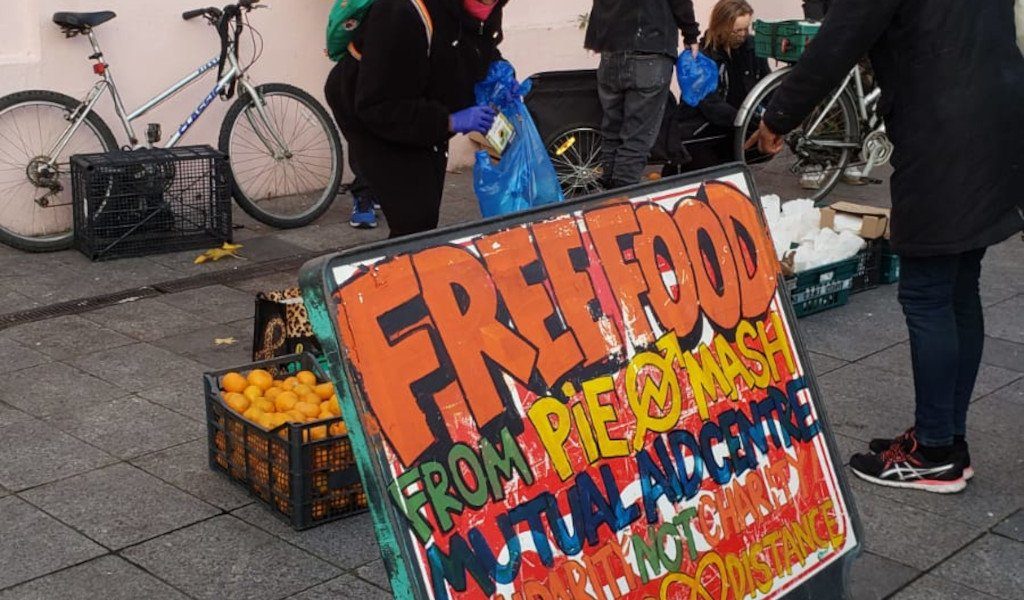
pixel 150 201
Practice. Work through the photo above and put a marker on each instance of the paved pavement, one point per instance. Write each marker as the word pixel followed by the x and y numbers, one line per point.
pixel 105 492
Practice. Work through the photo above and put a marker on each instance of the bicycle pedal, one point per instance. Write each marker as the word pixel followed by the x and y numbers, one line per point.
pixel 153 133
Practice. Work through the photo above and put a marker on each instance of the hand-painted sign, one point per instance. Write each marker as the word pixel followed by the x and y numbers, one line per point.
pixel 610 403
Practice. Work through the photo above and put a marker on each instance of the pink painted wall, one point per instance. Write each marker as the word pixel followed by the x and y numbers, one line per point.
pixel 150 47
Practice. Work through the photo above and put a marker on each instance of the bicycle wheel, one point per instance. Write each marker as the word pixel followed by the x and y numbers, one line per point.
pixel 810 163
pixel 35 198
pixel 576 156
pixel 282 191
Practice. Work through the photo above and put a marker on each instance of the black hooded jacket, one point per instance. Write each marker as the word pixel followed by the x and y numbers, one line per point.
pixel 644 26
pixel 402 87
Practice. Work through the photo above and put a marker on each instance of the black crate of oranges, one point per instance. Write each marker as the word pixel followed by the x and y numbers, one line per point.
pixel 276 428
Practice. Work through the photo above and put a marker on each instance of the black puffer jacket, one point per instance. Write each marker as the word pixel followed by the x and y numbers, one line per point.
pixel 738 73
pixel 402 92
pixel 952 83
pixel 646 26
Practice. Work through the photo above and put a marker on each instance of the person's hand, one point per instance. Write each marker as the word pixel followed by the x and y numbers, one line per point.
pixel 475 118
pixel 767 141
pixel 694 49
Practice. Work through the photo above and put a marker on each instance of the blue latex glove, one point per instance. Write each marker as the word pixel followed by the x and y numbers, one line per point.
pixel 476 118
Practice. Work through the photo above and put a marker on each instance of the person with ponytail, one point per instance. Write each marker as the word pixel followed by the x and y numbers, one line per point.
pixel 404 89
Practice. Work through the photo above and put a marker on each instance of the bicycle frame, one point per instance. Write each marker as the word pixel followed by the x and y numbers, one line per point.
pixel 276 144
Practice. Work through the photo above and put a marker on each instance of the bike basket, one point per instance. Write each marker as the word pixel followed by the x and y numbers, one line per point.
pixel 783 40
pixel 150 201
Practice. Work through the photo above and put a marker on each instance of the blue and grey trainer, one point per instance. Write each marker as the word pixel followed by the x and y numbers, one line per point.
pixel 363 215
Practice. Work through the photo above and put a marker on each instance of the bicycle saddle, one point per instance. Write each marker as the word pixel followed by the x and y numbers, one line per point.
pixel 82 20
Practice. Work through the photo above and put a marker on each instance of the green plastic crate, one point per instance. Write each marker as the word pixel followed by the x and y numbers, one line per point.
pixel 783 40
pixel 823 288
pixel 890 271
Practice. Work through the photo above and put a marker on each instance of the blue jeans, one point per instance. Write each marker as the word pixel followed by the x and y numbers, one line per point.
pixel 942 304
pixel 633 89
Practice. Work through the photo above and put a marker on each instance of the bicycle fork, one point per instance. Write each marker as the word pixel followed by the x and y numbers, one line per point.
pixel 276 145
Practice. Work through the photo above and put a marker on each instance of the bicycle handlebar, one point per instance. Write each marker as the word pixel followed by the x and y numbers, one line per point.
pixel 199 12
pixel 214 14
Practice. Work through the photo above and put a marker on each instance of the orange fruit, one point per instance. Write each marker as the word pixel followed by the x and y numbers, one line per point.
pixel 333 406
pixel 253 393
pixel 265 405
pixel 339 428
pixel 260 379
pixel 252 414
pixel 310 399
pixel 295 416
pixel 289 383
pixel 237 402
pixel 324 390
pixel 302 389
pixel 265 421
pixel 318 433
pixel 306 378
pixel 233 382
pixel 285 401
pixel 310 411
pixel 272 393
pixel 325 412
pixel 278 419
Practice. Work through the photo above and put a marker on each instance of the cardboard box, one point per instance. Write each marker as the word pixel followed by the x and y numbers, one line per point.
pixel 869 222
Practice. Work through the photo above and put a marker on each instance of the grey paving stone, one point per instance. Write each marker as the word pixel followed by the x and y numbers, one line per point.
pixel 119 505
pixel 65 337
pixel 187 467
pixel 202 347
pixel 128 427
pixel 897 360
pixel 909 535
pixel 874 578
pixel 346 586
pixel 1012 527
pixel 33 453
pixel 184 397
pixel 53 388
pixel 217 303
pixel 375 573
pixel 825 364
pixel 147 320
pixel 332 237
pixel 267 283
pixel 224 558
pixel 933 587
pixel 11 301
pixel 10 415
pixel 33 544
pixel 139 367
pixel 61 284
pixel 15 356
pixel 105 578
pixel 1004 320
pixel 1012 393
pixel 333 542
pixel 991 565
pixel 1002 353
pixel 996 414
pixel 864 402
pixel 840 332
pixel 122 274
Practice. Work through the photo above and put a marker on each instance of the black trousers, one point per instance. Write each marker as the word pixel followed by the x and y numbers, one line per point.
pixel 406 181
pixel 942 304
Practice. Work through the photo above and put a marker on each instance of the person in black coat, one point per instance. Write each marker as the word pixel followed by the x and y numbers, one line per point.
pixel 638 41
pixel 727 42
pixel 404 89
pixel 952 83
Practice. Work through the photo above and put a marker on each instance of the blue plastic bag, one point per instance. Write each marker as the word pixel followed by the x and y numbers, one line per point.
pixel 697 78
pixel 524 177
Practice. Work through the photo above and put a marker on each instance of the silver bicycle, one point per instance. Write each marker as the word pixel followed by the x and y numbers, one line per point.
pixel 844 137
pixel 284 150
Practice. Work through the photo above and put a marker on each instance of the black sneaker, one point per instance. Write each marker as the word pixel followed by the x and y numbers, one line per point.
pixel 960 449
pixel 903 465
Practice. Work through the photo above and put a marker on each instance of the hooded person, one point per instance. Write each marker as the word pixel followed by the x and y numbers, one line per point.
pixel 404 89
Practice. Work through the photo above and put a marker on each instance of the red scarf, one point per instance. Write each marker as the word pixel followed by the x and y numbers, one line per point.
pixel 478 9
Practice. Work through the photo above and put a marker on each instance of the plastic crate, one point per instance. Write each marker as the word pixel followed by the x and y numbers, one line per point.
pixel 823 288
pixel 869 266
pixel 305 482
pixel 150 201
pixel 890 269
pixel 783 40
